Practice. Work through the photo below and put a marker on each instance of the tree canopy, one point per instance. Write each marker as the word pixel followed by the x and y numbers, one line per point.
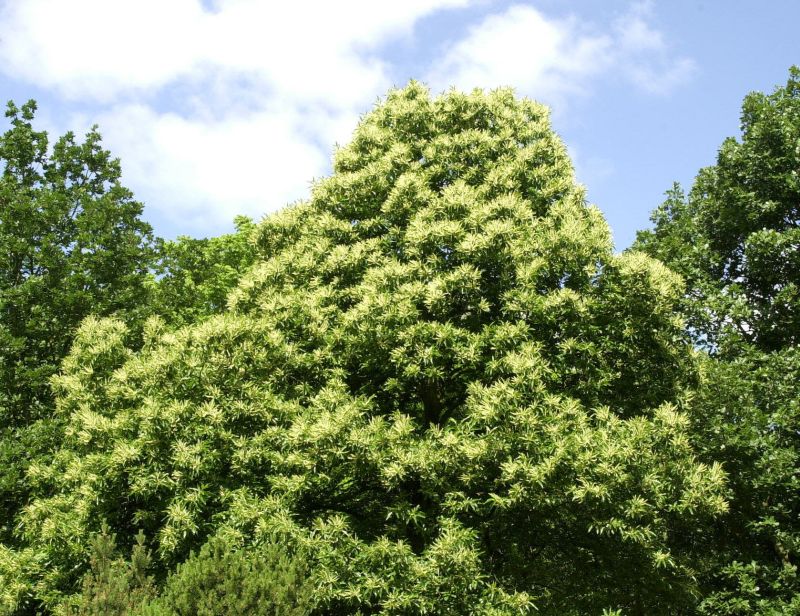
pixel 72 243
pixel 436 381
pixel 736 239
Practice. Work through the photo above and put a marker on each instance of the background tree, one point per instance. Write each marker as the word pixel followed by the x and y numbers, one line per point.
pixel 198 274
pixel 736 240
pixel 72 243
pixel 436 380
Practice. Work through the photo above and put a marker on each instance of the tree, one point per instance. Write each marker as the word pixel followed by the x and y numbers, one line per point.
pixel 198 274
pixel 436 380
pixel 72 243
pixel 736 240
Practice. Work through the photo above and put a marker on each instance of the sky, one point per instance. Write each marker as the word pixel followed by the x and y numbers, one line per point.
pixel 225 107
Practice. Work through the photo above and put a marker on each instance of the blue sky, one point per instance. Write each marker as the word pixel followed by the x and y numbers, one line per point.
pixel 222 107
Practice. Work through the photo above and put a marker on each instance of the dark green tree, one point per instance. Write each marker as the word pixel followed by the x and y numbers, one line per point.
pixel 72 243
pixel 198 274
pixel 735 238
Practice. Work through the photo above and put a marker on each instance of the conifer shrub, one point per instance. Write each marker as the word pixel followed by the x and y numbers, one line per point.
pixel 220 580
pixel 113 586
pixel 225 581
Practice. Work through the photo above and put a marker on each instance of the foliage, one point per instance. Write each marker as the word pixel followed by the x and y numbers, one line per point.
pixel 199 273
pixel 436 381
pixel 748 419
pixel 113 586
pixel 71 243
pixel 735 238
pixel 222 580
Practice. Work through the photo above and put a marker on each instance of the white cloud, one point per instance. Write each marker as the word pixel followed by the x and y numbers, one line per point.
pixel 97 48
pixel 201 174
pixel 213 112
pixel 548 58
pixel 305 49
pixel 644 54
pixel 522 48
pixel 234 109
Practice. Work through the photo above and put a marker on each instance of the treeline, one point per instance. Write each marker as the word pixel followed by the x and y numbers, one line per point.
pixel 432 388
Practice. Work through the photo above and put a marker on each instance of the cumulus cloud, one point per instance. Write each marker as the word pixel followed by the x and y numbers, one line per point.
pixel 645 56
pixel 524 49
pixel 103 50
pixel 231 106
pixel 551 58
pixel 206 172
pixel 214 109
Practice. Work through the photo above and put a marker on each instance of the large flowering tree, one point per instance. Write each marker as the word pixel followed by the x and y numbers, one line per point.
pixel 437 382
